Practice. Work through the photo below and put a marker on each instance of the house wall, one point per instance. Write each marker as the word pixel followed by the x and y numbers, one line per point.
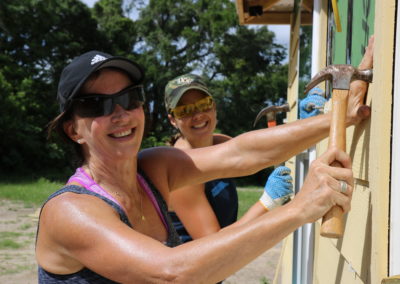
pixel 292 97
pixel 361 256
pixel 381 98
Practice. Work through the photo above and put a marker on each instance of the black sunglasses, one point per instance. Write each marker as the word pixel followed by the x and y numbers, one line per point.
pixel 95 105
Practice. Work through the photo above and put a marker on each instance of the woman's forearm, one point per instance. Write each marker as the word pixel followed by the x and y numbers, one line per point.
pixel 235 245
pixel 263 148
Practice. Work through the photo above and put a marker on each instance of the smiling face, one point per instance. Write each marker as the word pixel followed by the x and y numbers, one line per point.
pixel 197 128
pixel 114 136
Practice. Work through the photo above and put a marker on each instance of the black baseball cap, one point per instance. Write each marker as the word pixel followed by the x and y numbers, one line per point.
pixel 75 74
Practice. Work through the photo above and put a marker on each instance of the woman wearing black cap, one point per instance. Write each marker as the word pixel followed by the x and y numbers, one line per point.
pixel 108 224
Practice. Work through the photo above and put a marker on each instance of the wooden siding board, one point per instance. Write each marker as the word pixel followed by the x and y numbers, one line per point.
pixel 379 165
pixel 283 273
pixel 369 147
pixel 356 243
pixel 331 267
pixel 354 249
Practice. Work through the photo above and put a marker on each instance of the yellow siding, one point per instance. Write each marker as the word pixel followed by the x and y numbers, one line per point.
pixel 293 76
pixel 361 256
pixel 379 164
pixel 353 251
pixel 333 268
pixel 284 272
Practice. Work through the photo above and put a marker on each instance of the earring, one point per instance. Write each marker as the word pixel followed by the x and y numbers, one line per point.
pixel 79 141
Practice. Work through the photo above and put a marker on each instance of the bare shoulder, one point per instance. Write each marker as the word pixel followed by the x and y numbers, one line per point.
pixel 162 165
pixel 68 211
pixel 68 225
pixel 158 158
pixel 220 138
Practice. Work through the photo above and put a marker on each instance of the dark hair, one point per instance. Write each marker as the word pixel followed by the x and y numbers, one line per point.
pixel 57 126
pixel 172 140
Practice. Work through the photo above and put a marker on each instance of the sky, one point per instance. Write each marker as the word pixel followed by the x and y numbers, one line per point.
pixel 90 3
pixel 282 32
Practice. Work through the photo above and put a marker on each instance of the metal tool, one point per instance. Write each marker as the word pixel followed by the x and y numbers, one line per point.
pixel 341 77
pixel 270 113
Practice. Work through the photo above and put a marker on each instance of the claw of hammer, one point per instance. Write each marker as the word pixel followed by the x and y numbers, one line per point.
pixel 340 75
pixel 270 112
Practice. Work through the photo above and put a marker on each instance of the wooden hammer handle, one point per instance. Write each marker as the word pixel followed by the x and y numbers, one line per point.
pixel 332 222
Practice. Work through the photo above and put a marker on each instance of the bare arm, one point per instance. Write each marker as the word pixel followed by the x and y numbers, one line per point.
pixel 193 209
pixel 252 151
pixel 89 234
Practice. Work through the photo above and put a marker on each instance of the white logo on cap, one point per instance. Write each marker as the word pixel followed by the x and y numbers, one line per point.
pixel 97 58
pixel 184 80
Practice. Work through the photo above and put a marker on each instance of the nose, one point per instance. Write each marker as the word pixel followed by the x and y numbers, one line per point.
pixel 119 113
pixel 197 114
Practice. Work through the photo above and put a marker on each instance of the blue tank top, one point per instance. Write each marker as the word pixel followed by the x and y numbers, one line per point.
pixel 87 276
pixel 223 198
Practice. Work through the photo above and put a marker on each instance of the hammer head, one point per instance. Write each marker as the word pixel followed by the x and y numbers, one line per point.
pixel 340 75
pixel 270 112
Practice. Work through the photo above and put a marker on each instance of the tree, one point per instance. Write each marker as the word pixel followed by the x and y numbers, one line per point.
pixel 305 58
pixel 204 36
pixel 36 40
pixel 38 37
pixel 119 29
pixel 250 65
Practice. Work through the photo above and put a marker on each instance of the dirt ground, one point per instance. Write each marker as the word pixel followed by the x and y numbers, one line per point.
pixel 18 264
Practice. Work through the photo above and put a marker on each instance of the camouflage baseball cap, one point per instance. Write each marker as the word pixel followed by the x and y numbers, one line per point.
pixel 180 85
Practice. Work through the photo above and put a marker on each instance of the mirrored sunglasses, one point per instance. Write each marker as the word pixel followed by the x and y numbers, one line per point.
pixel 202 105
pixel 95 105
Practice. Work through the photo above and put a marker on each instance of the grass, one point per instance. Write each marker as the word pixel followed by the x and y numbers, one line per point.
pixel 30 192
pixel 9 235
pixel 247 197
pixel 9 244
pixel 36 192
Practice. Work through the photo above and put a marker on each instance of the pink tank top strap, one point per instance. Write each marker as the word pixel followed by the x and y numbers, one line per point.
pixel 82 178
pixel 87 182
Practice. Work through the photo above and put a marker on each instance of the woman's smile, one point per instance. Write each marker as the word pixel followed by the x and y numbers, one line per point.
pixel 201 125
pixel 123 133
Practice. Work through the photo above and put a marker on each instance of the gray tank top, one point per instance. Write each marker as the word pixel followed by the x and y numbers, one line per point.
pixel 86 276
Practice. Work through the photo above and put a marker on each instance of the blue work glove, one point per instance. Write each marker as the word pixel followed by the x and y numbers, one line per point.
pixel 278 189
pixel 313 103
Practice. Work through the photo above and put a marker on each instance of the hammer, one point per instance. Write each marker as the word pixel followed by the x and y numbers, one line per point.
pixel 270 113
pixel 341 76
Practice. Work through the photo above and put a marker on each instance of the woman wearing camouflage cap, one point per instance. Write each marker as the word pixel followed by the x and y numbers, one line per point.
pixel 203 209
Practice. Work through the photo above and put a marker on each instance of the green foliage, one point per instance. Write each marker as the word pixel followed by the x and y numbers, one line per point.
pixel 36 40
pixel 242 65
pixel 305 58
pixel 119 30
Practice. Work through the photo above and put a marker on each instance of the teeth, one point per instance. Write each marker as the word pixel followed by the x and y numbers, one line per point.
pixel 123 133
pixel 200 125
